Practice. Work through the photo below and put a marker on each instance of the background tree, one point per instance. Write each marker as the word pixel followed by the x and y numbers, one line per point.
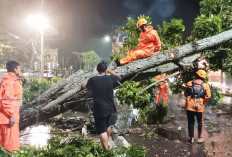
pixel 90 59
pixel 13 47
pixel 15 50
pixel 215 17
pixel 171 34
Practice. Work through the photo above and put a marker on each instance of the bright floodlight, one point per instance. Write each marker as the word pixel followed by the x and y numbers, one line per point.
pixel 38 21
pixel 107 38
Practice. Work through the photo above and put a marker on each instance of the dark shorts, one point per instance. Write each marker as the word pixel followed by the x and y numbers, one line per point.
pixel 102 123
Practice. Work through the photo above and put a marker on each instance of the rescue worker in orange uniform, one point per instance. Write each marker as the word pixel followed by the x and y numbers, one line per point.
pixel 10 95
pixel 197 93
pixel 148 43
pixel 163 88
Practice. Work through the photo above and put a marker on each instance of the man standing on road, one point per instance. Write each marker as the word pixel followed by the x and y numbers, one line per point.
pixel 10 95
pixel 197 93
pixel 101 87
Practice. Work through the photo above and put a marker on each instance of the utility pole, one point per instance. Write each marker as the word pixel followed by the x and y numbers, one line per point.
pixel 42 54
pixel 42 45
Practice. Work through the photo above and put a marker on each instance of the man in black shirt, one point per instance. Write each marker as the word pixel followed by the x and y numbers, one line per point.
pixel 101 87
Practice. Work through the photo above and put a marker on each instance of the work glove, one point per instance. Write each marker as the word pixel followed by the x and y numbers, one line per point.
pixel 12 121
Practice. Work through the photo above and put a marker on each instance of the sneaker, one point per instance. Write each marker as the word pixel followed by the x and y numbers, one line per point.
pixel 117 62
pixel 200 140
pixel 191 140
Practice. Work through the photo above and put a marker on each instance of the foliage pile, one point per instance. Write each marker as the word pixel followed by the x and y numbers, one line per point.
pixel 34 88
pixel 130 94
pixel 76 147
pixel 153 114
pixel 149 112
pixel 216 97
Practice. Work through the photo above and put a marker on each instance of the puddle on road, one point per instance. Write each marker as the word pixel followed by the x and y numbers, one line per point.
pixel 37 136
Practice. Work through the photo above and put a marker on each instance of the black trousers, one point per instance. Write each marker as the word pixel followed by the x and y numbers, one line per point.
pixel 191 121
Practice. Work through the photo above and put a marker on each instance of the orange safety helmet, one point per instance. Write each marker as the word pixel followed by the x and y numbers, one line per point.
pixel 201 73
pixel 141 22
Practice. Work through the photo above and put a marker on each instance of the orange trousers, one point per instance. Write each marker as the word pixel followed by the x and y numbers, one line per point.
pixel 9 137
pixel 134 55
pixel 163 91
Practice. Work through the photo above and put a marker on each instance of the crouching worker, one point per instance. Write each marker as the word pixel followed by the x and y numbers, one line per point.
pixel 197 93
pixel 149 43
pixel 10 95
pixel 104 109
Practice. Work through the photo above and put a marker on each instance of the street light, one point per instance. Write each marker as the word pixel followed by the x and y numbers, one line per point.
pixel 107 44
pixel 39 22
pixel 107 38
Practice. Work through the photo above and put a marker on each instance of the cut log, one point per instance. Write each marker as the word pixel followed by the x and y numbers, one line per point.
pixel 55 100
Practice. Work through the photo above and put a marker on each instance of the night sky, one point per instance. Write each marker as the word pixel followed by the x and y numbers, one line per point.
pixel 82 24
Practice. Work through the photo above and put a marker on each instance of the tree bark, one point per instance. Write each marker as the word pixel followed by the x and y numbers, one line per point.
pixel 55 100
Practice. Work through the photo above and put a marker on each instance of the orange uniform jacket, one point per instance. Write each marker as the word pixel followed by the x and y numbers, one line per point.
pixel 164 88
pixel 162 84
pixel 190 102
pixel 10 93
pixel 149 40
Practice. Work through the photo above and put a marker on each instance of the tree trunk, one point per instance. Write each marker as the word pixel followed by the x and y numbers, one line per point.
pixel 55 100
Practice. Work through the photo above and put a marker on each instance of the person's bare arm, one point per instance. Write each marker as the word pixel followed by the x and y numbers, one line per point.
pixel 113 73
pixel 83 85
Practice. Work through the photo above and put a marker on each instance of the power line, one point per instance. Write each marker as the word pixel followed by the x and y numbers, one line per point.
pixel 15 36
pixel 7 46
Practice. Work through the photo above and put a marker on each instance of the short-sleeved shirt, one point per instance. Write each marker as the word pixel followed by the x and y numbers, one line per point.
pixel 102 92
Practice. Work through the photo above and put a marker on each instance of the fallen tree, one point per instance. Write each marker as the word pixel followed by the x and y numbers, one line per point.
pixel 68 93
